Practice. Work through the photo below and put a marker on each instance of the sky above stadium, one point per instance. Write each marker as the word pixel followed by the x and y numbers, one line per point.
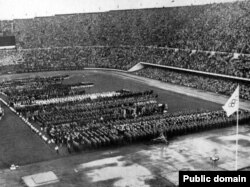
pixel 13 9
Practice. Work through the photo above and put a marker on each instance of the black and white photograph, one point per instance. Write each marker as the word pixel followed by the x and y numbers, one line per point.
pixel 124 93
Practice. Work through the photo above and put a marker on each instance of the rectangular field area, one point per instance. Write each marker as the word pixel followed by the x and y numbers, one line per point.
pixel 19 145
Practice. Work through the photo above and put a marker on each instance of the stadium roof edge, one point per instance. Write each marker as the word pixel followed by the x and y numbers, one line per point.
pixel 167 7
pixel 73 14
pixel 153 8
pixel 42 17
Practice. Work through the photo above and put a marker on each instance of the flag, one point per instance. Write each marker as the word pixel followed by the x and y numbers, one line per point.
pixel 232 105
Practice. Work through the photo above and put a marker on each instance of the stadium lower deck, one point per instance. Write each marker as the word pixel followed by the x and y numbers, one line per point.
pixel 131 165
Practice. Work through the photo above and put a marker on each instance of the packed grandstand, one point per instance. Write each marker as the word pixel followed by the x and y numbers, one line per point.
pixel 167 36
pixel 210 39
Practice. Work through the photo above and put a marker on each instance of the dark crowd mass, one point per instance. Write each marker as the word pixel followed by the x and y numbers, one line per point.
pixel 25 91
pixel 211 27
pixel 80 121
pixel 207 83
pixel 123 57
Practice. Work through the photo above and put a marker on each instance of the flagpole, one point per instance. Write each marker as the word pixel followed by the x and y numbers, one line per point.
pixel 232 105
pixel 237 132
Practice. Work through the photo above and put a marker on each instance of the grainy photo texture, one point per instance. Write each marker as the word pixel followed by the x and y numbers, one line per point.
pixel 122 93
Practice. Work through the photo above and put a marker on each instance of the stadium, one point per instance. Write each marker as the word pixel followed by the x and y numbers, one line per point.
pixel 124 97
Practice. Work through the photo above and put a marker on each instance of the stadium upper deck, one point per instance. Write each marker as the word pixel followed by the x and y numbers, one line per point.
pixel 213 27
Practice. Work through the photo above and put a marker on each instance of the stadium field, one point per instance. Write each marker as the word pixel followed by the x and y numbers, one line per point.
pixel 111 81
pixel 21 146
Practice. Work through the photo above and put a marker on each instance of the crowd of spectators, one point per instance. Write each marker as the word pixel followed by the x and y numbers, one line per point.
pixel 51 42
pixel 211 62
pixel 9 57
pixel 6 28
pixel 213 27
pixel 207 83
pixel 67 58
pixel 124 57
